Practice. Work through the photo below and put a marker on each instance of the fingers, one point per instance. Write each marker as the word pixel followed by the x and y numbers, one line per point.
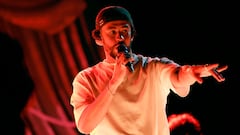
pixel 215 66
pixel 198 79
pixel 220 69
pixel 206 70
pixel 119 71
pixel 217 75
pixel 210 66
pixel 214 70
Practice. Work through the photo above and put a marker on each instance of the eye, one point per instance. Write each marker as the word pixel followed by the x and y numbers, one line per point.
pixel 112 32
pixel 125 32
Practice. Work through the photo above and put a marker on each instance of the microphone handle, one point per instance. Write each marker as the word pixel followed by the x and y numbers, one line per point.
pixel 124 49
pixel 130 66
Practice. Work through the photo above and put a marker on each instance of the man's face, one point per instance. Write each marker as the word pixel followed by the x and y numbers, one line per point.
pixel 114 32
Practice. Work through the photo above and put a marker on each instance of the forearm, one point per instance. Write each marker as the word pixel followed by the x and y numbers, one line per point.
pixel 95 111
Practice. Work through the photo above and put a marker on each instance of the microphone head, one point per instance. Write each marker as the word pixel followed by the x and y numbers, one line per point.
pixel 122 48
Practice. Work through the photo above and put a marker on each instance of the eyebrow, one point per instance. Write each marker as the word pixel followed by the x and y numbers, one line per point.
pixel 122 25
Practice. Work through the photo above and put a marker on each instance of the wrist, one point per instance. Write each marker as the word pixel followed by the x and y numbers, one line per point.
pixel 186 75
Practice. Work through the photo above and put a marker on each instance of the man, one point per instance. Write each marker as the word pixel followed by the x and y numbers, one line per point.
pixel 126 93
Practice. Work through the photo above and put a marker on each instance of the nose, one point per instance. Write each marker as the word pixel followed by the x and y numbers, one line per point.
pixel 120 37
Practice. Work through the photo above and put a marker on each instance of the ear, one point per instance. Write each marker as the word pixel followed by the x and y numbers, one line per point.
pixel 99 42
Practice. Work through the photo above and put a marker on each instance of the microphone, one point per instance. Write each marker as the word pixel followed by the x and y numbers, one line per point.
pixel 122 48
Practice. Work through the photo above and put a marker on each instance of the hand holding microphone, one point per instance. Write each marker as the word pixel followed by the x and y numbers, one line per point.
pixel 123 49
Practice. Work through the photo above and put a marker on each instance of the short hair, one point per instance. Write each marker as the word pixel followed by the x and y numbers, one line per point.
pixel 183 123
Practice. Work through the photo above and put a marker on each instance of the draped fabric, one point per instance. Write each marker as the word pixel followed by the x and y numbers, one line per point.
pixel 56 44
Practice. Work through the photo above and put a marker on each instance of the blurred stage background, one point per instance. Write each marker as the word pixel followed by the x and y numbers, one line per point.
pixel 44 43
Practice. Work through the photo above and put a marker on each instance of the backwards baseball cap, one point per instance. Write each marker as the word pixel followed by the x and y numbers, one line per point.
pixel 111 13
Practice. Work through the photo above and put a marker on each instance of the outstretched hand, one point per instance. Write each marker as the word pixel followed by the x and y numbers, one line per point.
pixel 206 70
